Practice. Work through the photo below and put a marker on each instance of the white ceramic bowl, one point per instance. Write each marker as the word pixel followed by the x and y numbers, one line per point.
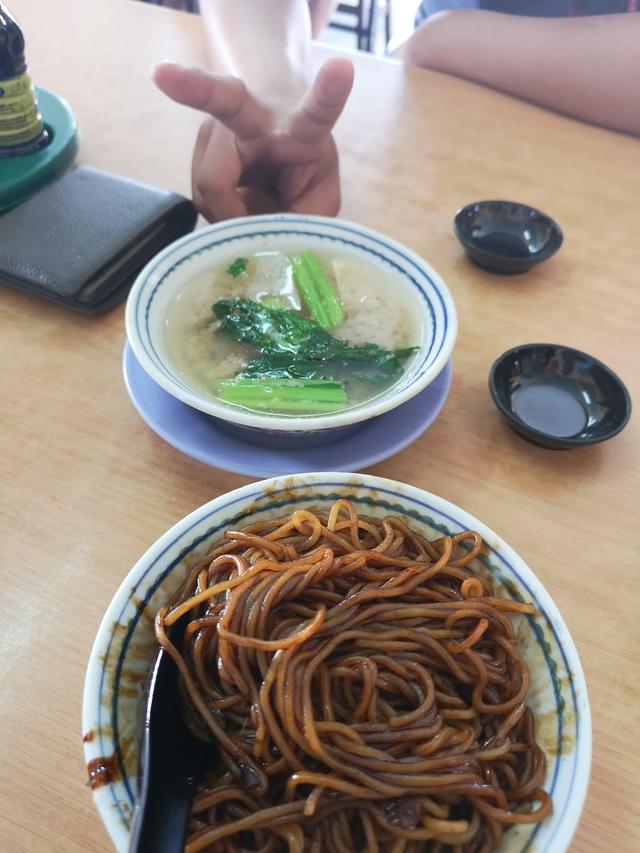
pixel 125 644
pixel 420 287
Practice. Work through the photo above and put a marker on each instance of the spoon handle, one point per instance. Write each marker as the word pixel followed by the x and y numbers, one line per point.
pixel 166 781
pixel 160 824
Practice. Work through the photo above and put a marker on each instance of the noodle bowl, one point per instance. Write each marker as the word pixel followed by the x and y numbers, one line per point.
pixel 363 686
pixel 126 645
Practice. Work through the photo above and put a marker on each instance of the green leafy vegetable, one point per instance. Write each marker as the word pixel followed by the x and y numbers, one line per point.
pixel 238 267
pixel 296 348
pixel 274 301
pixel 283 365
pixel 317 291
pixel 278 395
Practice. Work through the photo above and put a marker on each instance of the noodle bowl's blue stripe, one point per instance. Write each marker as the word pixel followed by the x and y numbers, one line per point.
pixel 273 504
pixel 141 313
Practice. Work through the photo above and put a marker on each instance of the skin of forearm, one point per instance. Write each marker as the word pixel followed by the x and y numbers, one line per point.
pixel 587 67
pixel 321 12
pixel 265 43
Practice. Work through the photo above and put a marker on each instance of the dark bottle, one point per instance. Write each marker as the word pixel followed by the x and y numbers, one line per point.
pixel 21 128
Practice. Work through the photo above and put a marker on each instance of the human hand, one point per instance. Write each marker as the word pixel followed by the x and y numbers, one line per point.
pixel 241 163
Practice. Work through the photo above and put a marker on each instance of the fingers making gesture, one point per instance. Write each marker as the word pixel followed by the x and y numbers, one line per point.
pixel 242 163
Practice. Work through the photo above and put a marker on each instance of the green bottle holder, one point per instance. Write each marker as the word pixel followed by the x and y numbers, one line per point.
pixel 21 177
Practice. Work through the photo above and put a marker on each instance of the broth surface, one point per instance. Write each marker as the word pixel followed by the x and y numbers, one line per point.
pixel 202 355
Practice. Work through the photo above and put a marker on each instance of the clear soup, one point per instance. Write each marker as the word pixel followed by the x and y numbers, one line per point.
pixel 203 355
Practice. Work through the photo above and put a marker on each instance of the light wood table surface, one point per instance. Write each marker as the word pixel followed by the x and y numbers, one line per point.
pixel 87 486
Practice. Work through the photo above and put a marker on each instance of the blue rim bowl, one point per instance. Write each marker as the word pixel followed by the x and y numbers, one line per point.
pixel 423 291
pixel 125 644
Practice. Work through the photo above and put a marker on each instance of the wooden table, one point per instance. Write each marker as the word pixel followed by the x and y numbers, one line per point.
pixel 87 486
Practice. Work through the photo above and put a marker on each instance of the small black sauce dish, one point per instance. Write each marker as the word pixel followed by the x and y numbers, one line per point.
pixel 558 397
pixel 506 237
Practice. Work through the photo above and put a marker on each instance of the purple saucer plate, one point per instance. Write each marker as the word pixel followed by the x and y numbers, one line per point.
pixel 199 436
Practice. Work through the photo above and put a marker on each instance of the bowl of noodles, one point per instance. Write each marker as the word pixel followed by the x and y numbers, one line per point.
pixel 378 669
pixel 289 329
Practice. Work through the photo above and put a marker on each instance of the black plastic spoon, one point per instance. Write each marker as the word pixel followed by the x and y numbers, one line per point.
pixel 172 762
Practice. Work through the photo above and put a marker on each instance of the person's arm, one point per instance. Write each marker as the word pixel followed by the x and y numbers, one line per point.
pixel 265 43
pixel 321 12
pixel 587 67
pixel 267 143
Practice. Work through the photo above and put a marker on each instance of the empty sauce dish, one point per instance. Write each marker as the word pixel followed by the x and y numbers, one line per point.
pixel 558 397
pixel 506 237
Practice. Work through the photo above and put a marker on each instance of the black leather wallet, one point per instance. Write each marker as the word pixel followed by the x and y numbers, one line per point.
pixel 82 240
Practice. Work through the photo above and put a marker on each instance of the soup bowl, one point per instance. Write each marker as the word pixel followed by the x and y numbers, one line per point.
pixel 423 295
pixel 125 645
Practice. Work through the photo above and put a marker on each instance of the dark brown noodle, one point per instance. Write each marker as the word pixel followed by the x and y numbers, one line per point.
pixel 363 686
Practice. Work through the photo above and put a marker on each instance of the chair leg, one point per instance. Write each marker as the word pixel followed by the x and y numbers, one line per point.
pixel 387 22
pixel 370 25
